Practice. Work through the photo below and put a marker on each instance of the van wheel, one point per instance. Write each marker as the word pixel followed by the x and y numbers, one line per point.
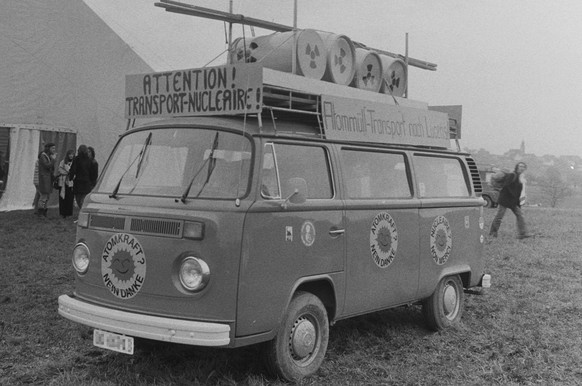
pixel 488 201
pixel 445 306
pixel 299 348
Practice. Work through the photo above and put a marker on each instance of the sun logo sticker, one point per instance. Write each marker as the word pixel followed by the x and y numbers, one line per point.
pixel 308 233
pixel 123 265
pixel 441 240
pixel 383 239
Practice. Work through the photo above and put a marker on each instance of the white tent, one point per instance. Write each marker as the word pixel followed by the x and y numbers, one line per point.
pixel 62 76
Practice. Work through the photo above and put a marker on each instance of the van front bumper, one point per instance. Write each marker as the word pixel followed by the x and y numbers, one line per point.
pixel 144 326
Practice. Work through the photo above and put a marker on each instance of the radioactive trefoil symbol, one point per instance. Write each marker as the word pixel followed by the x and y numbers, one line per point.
pixel 339 60
pixel 369 78
pixel 394 81
pixel 312 53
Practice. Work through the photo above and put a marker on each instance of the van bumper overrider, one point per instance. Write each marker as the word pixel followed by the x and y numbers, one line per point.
pixel 144 326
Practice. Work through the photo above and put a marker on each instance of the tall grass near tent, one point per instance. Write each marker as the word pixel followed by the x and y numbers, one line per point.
pixel 526 329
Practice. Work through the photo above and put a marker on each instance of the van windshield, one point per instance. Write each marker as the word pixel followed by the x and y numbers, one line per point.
pixel 197 163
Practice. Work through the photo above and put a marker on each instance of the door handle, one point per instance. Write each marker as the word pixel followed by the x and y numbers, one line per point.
pixel 337 232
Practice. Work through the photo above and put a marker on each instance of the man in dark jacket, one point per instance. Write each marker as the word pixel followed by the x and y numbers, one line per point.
pixel 46 170
pixel 509 197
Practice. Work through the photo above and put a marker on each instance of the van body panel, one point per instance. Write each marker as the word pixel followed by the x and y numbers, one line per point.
pixel 276 255
pixel 449 238
pixel 161 293
pixel 369 284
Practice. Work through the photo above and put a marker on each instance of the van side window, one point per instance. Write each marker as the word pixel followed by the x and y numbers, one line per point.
pixel 269 177
pixel 293 163
pixel 440 177
pixel 375 174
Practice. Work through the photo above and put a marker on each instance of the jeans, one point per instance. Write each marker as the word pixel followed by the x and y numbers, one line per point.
pixel 521 228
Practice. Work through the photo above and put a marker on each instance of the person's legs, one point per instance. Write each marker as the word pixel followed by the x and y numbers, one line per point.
pixel 520 221
pixel 497 220
pixel 42 203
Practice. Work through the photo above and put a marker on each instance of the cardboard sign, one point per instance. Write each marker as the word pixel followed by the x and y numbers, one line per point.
pixel 224 90
pixel 358 120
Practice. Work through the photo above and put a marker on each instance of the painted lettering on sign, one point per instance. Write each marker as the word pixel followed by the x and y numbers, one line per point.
pixel 221 90
pixel 358 120
pixel 383 239
pixel 123 265
pixel 441 240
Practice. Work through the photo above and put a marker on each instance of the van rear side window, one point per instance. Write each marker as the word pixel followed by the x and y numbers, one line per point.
pixel 284 165
pixel 375 174
pixel 440 177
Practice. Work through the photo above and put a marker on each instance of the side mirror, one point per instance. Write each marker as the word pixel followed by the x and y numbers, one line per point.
pixel 298 187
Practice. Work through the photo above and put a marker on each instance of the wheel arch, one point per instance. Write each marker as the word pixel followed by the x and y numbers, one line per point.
pixel 464 273
pixel 322 287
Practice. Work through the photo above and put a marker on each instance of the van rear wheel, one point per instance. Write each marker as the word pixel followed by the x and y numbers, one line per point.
pixel 298 349
pixel 445 306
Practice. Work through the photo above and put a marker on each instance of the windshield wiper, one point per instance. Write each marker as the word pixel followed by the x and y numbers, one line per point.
pixel 140 157
pixel 211 163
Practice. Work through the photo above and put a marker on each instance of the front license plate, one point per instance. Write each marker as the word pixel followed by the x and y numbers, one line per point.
pixel 112 341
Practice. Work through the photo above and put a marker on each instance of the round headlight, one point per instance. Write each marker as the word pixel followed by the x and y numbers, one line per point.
pixel 194 274
pixel 81 257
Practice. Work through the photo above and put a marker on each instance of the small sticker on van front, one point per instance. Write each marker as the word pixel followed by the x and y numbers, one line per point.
pixel 383 239
pixel 288 233
pixel 123 265
pixel 441 240
pixel 308 233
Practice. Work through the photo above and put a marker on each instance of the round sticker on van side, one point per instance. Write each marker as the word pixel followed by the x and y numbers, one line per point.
pixel 441 240
pixel 123 265
pixel 308 233
pixel 383 239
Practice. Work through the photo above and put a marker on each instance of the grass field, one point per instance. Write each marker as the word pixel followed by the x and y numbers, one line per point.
pixel 525 330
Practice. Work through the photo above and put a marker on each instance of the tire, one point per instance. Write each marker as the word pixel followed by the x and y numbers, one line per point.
pixel 488 201
pixel 445 306
pixel 298 349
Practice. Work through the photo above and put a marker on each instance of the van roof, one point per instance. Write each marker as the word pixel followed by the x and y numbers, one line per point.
pixel 282 128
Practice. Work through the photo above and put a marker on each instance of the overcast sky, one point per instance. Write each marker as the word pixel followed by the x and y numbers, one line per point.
pixel 515 66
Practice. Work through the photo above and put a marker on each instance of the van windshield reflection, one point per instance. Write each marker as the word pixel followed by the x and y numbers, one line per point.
pixel 179 163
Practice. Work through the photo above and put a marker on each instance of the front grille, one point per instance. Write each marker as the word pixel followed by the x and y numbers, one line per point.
pixel 477 185
pixel 137 225
pixel 156 227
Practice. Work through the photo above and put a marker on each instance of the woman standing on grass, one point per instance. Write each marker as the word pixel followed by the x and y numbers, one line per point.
pixel 82 176
pixel 66 185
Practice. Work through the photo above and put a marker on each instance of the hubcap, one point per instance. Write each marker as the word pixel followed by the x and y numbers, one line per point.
pixel 450 300
pixel 303 338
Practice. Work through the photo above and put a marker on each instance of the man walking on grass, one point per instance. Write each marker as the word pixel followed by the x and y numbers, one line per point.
pixel 509 197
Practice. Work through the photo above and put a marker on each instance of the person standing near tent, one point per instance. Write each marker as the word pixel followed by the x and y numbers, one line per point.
pixel 94 166
pixel 509 197
pixel 35 183
pixel 82 176
pixel 66 195
pixel 46 170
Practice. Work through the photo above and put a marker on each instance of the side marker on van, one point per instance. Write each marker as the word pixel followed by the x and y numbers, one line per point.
pixel 289 211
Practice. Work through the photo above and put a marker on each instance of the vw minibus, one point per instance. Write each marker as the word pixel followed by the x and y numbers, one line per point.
pixel 266 210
